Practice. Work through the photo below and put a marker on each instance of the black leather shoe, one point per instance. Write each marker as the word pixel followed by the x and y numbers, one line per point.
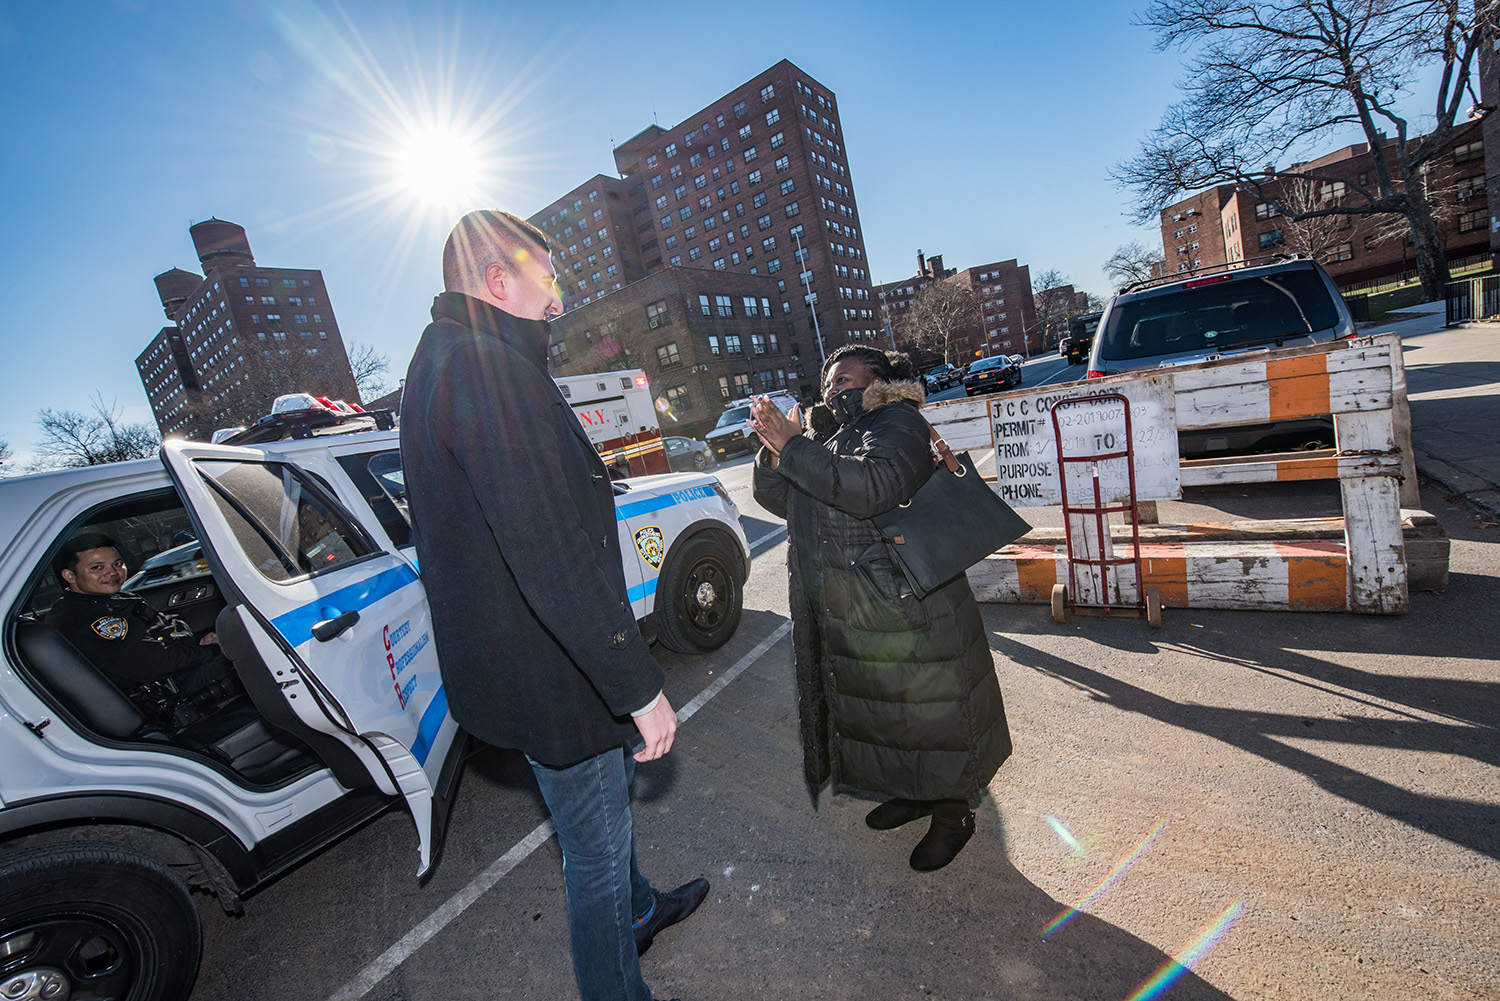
pixel 894 813
pixel 671 907
pixel 942 842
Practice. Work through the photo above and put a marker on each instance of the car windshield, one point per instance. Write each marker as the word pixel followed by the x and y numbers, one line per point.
pixel 1241 312
pixel 736 415
pixel 987 363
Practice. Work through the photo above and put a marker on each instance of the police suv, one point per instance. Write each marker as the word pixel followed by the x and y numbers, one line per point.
pixel 115 802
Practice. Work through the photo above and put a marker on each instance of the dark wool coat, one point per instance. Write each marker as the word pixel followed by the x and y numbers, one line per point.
pixel 513 517
pixel 895 695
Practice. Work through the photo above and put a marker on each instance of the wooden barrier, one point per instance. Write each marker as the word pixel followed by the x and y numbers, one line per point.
pixel 1360 382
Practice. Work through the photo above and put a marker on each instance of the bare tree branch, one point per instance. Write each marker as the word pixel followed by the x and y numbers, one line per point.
pixel 1133 262
pixel 938 312
pixel 1270 79
pixel 75 438
pixel 371 370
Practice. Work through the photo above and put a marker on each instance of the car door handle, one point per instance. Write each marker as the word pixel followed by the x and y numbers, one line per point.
pixel 330 628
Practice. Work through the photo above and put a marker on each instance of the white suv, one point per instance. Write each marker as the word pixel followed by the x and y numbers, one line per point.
pixel 114 802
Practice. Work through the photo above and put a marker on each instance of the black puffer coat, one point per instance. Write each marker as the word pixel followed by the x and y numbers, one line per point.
pixel 895 695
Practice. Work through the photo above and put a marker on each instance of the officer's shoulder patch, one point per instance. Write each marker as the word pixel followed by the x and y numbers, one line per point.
pixel 111 627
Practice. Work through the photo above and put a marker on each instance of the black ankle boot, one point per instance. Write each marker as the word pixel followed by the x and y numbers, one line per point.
pixel 894 813
pixel 952 827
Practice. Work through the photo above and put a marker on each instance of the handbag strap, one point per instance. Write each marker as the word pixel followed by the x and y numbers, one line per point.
pixel 941 447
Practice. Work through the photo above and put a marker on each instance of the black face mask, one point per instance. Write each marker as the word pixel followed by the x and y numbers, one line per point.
pixel 848 405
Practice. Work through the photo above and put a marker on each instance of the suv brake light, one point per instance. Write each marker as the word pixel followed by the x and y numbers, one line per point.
pixel 1207 281
pixel 1095 373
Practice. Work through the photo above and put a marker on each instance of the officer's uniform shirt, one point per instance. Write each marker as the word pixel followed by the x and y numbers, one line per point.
pixel 128 639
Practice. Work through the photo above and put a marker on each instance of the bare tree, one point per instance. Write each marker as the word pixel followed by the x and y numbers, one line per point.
pixel 1053 300
pixel 268 370
pixel 1133 262
pixel 1268 79
pixel 1305 232
pixel 76 438
pixel 6 454
pixel 937 313
pixel 371 370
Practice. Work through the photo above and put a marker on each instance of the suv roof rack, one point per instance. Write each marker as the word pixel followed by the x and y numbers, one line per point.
pixel 1249 262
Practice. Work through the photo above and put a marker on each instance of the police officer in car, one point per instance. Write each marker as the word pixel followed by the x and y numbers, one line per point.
pixel 118 632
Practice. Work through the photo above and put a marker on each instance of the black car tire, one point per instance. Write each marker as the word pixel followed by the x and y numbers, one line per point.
pixel 114 922
pixel 685 623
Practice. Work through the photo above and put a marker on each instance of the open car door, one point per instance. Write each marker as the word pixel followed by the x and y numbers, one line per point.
pixel 342 624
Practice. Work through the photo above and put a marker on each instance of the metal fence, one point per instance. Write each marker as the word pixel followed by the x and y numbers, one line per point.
pixel 1407 277
pixel 1474 299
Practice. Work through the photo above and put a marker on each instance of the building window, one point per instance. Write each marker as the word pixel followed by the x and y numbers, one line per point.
pixel 742 385
pixel 749 154
pixel 718 264
pixel 1469 152
pixel 754 177
pixel 713 344
pixel 788 186
pixel 764 222
pixel 667 356
pixel 750 307
pixel 768 244
pixel 768 92
pixel 758 343
pixel 1468 222
pixel 773 265
pixel 739 109
pixel 1265 210
pixel 732 344
pixel 677 399
pixel 773 116
pixel 724 386
pixel 694 253
pixel 783 163
pixel 704 306
pixel 759 200
pixel 671 151
pixel 559 351
pixel 1331 191
pixel 656 314
pixel 792 210
pixel 778 140
pixel 1343 252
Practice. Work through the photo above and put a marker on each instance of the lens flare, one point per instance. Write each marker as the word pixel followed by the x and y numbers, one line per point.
pixel 1063 833
pixel 1199 946
pixel 1104 884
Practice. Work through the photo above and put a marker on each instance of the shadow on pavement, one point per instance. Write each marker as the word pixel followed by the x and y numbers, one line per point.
pixel 1393 711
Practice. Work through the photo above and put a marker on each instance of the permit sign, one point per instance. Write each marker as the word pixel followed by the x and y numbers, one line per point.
pixel 1026 443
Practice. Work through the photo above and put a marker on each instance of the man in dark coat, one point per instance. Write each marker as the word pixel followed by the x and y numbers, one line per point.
pixel 896 695
pixel 513 518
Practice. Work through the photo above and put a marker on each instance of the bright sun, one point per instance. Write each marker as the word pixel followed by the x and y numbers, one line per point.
pixel 438 167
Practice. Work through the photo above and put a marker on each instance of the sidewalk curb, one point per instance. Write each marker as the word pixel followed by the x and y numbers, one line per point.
pixel 1479 492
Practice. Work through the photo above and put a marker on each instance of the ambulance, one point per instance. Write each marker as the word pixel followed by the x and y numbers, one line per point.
pixel 619 417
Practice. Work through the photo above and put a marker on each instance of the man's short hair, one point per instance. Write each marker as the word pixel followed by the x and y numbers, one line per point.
pixel 482 238
pixel 67 556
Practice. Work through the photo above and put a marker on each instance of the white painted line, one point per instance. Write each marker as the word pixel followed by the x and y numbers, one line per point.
pixel 718 686
pixel 767 537
pixel 386 963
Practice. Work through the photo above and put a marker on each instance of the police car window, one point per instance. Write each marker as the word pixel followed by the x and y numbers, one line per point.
pixel 285 525
pixel 379 478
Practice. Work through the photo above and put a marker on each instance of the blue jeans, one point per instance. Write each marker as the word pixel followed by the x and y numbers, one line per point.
pixel 590 807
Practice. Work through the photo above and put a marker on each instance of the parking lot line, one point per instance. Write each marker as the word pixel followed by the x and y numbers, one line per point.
pixel 386 963
pixel 779 529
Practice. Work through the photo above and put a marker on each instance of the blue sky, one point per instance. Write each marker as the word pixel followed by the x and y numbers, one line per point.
pixel 978 131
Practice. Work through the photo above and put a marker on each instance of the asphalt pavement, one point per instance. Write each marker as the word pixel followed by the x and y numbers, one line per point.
pixel 1240 805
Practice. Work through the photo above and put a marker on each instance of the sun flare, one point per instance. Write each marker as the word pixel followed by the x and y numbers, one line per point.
pixel 438 167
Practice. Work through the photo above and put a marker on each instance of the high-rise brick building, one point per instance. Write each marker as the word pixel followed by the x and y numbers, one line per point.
pixel 756 184
pixel 241 334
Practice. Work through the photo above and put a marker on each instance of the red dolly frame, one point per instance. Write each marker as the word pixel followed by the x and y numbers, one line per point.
pixel 1064 595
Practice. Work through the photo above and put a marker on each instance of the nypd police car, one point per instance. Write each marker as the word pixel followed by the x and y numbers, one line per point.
pixel 115 800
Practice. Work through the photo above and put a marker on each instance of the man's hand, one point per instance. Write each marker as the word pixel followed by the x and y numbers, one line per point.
pixel 658 726
pixel 209 639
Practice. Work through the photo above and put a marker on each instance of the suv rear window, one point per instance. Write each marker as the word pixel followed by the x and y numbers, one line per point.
pixel 1242 312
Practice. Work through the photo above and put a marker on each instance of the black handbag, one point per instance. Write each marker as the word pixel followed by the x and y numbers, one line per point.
pixel 954 521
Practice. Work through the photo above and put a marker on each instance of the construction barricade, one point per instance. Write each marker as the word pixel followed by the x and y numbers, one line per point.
pixel 1360 565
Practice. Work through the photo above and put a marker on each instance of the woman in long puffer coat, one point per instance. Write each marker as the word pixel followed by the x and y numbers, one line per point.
pixel 896 696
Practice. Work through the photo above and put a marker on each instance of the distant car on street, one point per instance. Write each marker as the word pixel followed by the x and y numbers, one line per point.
pixel 1075 347
pixel 941 377
pixel 989 374
pixel 688 454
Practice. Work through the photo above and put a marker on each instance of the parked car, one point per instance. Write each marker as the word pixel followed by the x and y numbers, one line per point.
pixel 1218 314
pixel 941 377
pixel 114 800
pixel 1016 362
pixel 732 436
pixel 688 455
pixel 989 374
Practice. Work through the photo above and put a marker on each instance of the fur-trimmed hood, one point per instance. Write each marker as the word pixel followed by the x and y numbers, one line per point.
pixel 821 424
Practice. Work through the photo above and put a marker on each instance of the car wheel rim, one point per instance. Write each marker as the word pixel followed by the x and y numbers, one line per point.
pixel 52 959
pixel 699 462
pixel 706 595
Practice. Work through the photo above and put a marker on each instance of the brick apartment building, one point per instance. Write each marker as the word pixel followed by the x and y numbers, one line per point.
pixel 1004 321
pixel 757 183
pixel 1225 224
pixel 192 369
pixel 1489 91
pixel 594 243
pixel 704 338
